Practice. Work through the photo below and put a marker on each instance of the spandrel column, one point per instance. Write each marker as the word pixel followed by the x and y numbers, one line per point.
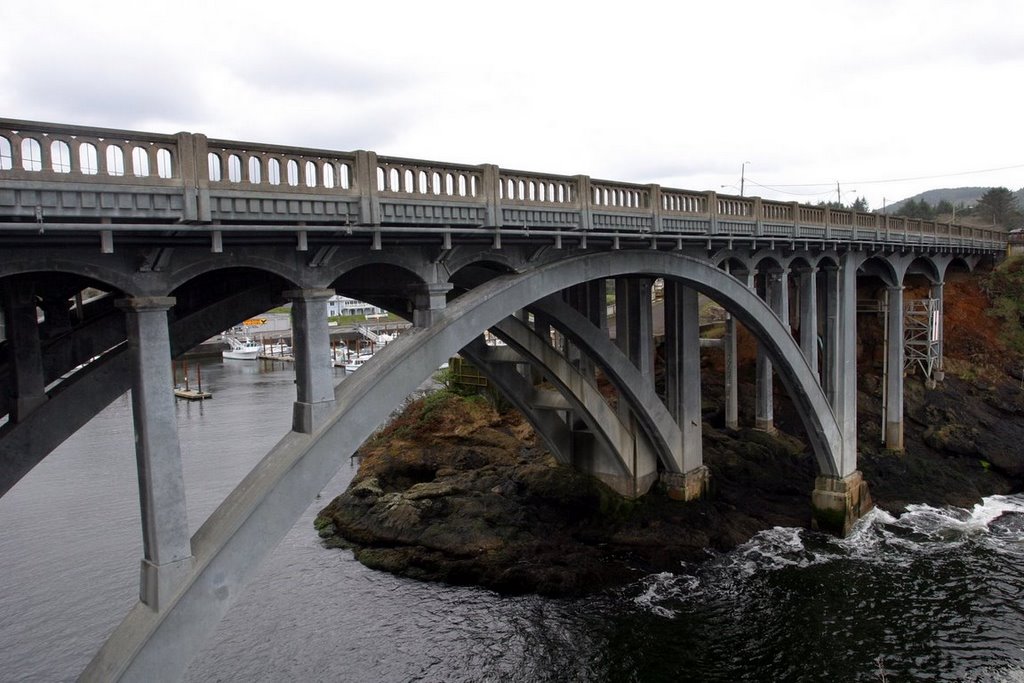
pixel 777 296
pixel 22 329
pixel 314 372
pixel 894 371
pixel 809 316
pixel 167 549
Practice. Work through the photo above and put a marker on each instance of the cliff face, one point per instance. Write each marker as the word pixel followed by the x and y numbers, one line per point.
pixel 456 491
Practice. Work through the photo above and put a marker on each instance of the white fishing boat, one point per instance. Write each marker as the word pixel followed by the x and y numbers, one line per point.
pixel 356 362
pixel 242 348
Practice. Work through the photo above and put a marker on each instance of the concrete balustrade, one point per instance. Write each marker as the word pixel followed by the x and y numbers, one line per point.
pixel 255 175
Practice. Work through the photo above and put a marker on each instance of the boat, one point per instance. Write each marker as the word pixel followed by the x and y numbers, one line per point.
pixel 242 348
pixel 356 362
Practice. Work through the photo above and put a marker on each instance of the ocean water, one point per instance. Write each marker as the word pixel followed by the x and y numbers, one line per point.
pixel 930 595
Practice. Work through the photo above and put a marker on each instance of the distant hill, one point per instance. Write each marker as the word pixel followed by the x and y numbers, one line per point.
pixel 968 196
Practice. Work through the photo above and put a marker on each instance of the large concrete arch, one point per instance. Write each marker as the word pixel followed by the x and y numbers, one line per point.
pixel 227 549
pixel 75 401
pixel 194 266
pixel 114 274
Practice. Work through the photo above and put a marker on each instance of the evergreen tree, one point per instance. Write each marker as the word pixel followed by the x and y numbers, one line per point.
pixel 860 205
pixel 944 207
pixel 999 205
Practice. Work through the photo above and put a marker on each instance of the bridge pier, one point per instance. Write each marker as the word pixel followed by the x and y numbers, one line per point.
pixel 809 316
pixel 777 295
pixel 838 502
pixel 683 388
pixel 732 398
pixel 311 344
pixel 938 293
pixel 894 370
pixel 167 549
pixel 27 368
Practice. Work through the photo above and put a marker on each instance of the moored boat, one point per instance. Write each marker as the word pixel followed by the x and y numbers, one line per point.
pixel 244 348
pixel 356 362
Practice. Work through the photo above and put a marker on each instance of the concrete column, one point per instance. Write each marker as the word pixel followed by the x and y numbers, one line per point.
pixel 633 326
pixel 809 317
pixel 673 349
pixel 23 336
pixel 167 549
pixel 776 294
pixel 683 388
pixel 845 406
pixel 938 292
pixel 633 322
pixel 427 300
pixel 779 297
pixel 732 411
pixel 832 367
pixel 894 371
pixel 841 498
pixel 311 344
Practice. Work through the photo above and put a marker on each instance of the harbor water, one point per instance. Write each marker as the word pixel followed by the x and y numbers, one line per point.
pixel 930 595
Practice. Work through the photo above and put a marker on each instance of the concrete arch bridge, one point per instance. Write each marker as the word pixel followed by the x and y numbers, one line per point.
pixel 122 249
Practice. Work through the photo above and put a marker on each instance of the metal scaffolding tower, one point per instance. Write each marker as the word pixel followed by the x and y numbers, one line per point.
pixel 922 335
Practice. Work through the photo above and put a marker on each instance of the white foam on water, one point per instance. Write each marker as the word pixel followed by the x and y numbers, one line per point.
pixel 878 537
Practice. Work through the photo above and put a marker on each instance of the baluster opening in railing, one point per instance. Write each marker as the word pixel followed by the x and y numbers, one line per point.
pixel 60 156
pixel 255 170
pixel 88 159
pixel 292 171
pixel 273 171
pixel 31 155
pixel 140 162
pixel 328 175
pixel 115 160
pixel 310 174
pixel 234 168
pixel 6 155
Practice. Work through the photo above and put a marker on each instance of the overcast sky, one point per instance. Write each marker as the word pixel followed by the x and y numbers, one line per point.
pixel 860 92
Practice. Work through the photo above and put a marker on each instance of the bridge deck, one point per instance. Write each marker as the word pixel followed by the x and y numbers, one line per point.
pixel 73 178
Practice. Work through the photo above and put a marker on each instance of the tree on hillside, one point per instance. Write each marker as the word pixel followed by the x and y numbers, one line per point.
pixel 860 205
pixel 944 208
pixel 917 209
pixel 999 205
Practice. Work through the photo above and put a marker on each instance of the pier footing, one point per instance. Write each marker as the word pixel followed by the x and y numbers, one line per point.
pixel 838 502
pixel 691 485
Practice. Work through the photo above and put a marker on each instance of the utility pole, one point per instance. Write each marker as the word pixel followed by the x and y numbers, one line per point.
pixel 743 169
pixel 839 195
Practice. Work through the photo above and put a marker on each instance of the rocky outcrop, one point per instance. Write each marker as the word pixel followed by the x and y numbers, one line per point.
pixel 453 490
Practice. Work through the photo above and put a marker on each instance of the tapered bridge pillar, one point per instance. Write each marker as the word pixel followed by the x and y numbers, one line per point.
pixel 167 549
pixel 777 295
pixel 894 371
pixel 314 374
pixel 809 317
pixel 23 335
pixel 683 388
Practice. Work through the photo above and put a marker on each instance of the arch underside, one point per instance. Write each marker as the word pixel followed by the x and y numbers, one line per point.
pixel 256 515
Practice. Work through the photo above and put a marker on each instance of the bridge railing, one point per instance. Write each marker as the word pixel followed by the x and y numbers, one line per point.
pixel 30 151
pixel 215 177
